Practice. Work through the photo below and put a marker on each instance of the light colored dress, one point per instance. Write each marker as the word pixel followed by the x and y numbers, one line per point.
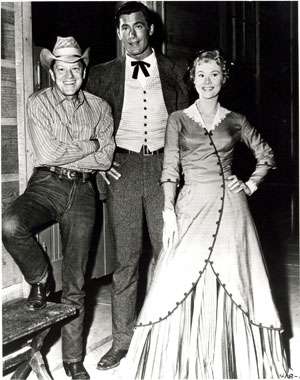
pixel 209 312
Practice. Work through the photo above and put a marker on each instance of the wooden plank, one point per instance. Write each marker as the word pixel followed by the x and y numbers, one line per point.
pixel 11 273
pixel 24 80
pixel 18 322
pixel 7 5
pixel 8 63
pixel 14 177
pixel 8 92
pixel 9 152
pixel 10 191
pixel 16 357
pixel 38 367
pixel 8 121
pixel 7 34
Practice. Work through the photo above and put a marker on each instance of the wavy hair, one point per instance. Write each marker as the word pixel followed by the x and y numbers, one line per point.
pixel 205 55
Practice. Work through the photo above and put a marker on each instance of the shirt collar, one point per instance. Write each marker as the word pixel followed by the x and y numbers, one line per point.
pixel 59 97
pixel 150 59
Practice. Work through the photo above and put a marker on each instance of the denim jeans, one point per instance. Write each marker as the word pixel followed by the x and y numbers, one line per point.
pixel 72 203
pixel 134 196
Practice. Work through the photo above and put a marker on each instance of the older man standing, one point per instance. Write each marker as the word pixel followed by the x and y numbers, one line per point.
pixel 71 133
pixel 143 88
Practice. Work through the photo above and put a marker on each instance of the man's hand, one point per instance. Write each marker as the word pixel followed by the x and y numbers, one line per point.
pixel 111 172
pixel 170 231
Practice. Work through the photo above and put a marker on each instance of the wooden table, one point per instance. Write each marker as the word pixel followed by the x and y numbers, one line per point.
pixel 23 335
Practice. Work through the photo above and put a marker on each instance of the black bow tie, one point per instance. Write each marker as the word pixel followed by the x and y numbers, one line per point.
pixel 143 67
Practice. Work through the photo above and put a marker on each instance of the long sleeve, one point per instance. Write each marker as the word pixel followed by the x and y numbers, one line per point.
pixel 261 150
pixel 102 159
pixel 170 177
pixel 48 148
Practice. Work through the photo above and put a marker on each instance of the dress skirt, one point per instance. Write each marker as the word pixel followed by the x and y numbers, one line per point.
pixel 209 313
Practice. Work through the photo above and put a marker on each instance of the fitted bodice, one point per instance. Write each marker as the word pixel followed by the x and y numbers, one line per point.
pixel 203 155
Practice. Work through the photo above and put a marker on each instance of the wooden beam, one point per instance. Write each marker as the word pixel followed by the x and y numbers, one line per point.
pixel 24 80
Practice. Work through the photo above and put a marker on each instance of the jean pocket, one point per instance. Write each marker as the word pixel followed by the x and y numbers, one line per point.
pixel 38 177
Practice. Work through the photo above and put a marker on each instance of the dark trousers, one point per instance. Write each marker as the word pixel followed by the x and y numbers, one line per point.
pixel 72 204
pixel 136 194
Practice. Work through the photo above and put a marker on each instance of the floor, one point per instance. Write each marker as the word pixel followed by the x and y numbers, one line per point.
pixel 98 326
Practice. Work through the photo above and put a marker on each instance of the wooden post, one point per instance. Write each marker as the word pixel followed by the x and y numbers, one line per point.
pixel 24 83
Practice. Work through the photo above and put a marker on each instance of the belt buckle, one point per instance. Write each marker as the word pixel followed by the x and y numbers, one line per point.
pixel 69 174
pixel 146 151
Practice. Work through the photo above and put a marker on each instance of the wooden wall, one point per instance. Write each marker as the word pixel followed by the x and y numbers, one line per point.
pixel 9 133
pixel 16 85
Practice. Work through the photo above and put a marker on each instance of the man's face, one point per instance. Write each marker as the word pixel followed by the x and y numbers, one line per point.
pixel 68 77
pixel 134 33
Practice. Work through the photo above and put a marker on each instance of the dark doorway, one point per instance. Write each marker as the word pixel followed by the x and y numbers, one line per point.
pixel 90 23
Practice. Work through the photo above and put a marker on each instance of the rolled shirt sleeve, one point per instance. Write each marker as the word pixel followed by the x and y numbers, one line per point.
pixel 76 136
pixel 47 147
pixel 102 158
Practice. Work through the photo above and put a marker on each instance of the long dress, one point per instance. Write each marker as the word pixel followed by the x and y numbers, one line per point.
pixel 209 312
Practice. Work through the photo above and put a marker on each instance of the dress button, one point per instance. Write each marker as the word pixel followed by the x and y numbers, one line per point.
pixel 145 108
pixel 145 117
pixel 145 140
pixel 145 125
pixel 211 143
pixel 145 92
pixel 146 132
pixel 145 100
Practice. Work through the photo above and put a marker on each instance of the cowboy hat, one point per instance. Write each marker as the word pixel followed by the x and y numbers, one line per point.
pixel 66 49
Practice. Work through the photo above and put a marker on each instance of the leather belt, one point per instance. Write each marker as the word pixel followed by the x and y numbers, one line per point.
pixel 70 174
pixel 144 151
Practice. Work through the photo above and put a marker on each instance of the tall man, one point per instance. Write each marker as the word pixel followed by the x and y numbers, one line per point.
pixel 71 133
pixel 142 88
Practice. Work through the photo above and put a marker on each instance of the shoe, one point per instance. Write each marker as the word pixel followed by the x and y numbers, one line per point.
pixel 37 296
pixel 111 359
pixel 76 370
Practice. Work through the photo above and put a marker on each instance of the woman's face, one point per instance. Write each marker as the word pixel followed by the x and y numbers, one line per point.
pixel 209 79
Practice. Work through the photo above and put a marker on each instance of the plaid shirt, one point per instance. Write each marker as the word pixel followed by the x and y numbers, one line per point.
pixel 61 132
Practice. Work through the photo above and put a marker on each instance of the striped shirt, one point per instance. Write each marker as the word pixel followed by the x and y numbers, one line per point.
pixel 61 132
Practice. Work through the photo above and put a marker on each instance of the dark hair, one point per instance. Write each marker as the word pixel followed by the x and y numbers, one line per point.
pixel 133 7
pixel 206 55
